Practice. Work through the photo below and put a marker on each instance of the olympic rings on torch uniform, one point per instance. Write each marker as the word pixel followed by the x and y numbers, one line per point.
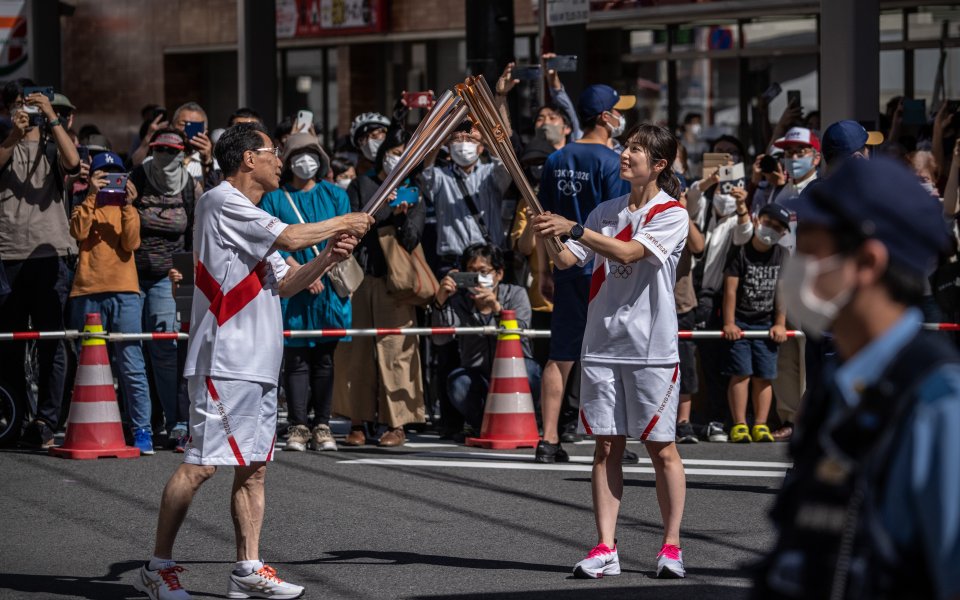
pixel 621 271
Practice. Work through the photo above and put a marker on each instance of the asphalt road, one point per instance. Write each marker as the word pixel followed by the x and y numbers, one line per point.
pixel 431 520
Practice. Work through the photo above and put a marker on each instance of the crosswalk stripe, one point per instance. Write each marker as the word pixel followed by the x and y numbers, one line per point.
pixel 532 466
pixel 589 459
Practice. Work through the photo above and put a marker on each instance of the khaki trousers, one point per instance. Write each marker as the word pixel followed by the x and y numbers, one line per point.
pixel 791 381
pixel 379 379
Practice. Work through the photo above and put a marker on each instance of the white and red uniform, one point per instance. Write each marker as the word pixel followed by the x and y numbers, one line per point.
pixel 236 331
pixel 631 377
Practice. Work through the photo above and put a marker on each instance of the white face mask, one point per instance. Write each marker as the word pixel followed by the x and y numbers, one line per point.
pixel 344 182
pixel 768 235
pixel 486 281
pixel 305 166
pixel 464 153
pixel 619 129
pixel 931 189
pixel 370 147
pixel 724 204
pixel 695 129
pixel 797 278
pixel 390 162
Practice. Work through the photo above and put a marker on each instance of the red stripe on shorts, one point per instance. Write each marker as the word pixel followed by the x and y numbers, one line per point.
pixel 586 426
pixel 272 444
pixel 226 424
pixel 656 417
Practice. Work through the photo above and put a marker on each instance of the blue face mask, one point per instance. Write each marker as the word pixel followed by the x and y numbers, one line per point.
pixel 798 167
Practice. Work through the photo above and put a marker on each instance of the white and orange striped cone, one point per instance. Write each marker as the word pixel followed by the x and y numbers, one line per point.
pixel 508 418
pixel 93 427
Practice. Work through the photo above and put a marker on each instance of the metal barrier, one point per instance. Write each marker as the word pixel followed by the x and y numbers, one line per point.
pixel 73 334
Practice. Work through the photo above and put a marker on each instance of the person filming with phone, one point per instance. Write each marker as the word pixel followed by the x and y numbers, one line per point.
pixel 475 297
pixel 34 245
pixel 107 226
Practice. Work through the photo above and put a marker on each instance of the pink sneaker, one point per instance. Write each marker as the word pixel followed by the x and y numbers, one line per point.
pixel 670 562
pixel 602 560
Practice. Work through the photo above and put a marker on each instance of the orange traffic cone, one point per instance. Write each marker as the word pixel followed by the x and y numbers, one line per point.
pixel 508 419
pixel 93 427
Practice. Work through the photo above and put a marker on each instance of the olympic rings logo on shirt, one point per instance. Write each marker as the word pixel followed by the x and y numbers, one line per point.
pixel 569 188
pixel 621 271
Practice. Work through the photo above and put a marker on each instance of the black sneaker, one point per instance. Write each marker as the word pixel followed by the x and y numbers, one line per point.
pixel 551 453
pixel 630 457
pixel 37 436
pixel 686 434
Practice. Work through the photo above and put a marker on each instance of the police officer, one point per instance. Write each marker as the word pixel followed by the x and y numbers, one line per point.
pixel 871 508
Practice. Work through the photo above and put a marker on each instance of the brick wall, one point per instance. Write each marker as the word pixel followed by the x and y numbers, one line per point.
pixel 113 54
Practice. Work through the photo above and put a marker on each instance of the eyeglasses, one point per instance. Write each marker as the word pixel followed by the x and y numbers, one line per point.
pixel 797 152
pixel 275 151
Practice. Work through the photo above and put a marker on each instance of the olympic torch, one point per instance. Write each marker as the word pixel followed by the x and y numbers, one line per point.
pixel 478 98
pixel 442 119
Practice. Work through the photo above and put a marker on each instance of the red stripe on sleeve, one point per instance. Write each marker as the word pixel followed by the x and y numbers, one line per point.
pixel 656 210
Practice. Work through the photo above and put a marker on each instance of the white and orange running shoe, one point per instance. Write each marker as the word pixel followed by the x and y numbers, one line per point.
pixel 602 560
pixel 163 584
pixel 262 583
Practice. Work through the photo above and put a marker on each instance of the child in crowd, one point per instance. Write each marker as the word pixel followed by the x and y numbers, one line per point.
pixel 630 363
pixel 750 303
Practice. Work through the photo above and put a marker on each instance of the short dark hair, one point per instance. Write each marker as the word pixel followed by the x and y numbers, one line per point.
pixel 690 116
pixel 87 130
pixel 491 253
pixel 13 89
pixel 586 124
pixel 243 113
pixel 284 127
pixel 234 142
pixel 730 140
pixel 552 106
pixel 396 136
pixel 340 165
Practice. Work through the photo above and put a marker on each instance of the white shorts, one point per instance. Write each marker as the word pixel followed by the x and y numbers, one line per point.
pixel 639 402
pixel 232 422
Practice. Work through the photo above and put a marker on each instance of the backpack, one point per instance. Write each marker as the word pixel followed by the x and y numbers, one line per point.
pixel 160 214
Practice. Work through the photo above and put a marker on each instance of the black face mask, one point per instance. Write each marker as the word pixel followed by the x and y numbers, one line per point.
pixel 535 172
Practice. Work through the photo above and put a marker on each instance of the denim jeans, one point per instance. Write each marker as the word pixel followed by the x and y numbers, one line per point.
pixel 120 313
pixel 160 315
pixel 467 389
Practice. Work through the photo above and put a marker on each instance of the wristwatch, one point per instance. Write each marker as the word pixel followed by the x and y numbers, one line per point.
pixel 54 123
pixel 576 232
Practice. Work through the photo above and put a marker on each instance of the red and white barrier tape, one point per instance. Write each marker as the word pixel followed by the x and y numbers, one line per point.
pixel 424 331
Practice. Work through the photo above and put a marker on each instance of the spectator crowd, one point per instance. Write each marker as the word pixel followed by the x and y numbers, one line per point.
pixel 86 228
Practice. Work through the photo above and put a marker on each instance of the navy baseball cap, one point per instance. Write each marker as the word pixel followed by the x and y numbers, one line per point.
pixel 776 212
pixel 843 138
pixel 600 98
pixel 107 161
pixel 883 200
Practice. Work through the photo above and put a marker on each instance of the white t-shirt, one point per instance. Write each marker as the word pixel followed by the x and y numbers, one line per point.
pixel 236 327
pixel 632 315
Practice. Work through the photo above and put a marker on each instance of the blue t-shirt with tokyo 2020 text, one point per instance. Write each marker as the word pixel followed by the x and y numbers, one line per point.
pixel 575 180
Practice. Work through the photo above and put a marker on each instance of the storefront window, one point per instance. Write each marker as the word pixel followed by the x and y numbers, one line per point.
pixel 891 76
pixel 928 23
pixel 310 83
pixel 764 33
pixel 891 26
